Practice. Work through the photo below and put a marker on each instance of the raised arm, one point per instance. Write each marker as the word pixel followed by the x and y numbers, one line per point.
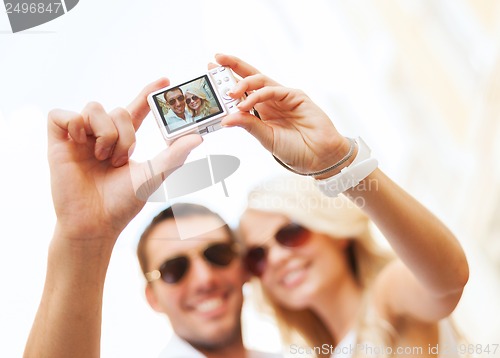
pixel 435 271
pixel 96 192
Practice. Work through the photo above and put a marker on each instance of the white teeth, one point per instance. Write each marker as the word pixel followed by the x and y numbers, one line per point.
pixel 209 305
pixel 292 276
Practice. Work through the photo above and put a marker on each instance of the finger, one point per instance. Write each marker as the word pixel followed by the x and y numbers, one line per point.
pixel 237 65
pixel 263 132
pixel 126 136
pixel 148 176
pixel 99 124
pixel 286 97
pixel 173 157
pixel 139 107
pixel 212 65
pixel 251 83
pixel 62 123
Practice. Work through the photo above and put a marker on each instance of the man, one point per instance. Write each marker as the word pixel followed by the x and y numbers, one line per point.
pixel 178 115
pixel 197 282
pixel 97 191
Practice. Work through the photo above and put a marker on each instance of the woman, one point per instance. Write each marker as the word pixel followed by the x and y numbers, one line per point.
pixel 325 277
pixel 323 273
pixel 198 104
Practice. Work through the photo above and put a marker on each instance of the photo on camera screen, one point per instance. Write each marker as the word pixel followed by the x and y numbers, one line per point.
pixel 188 103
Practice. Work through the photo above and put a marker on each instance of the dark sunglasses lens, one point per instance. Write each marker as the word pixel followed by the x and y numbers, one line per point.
pixel 194 98
pixel 255 260
pixel 292 235
pixel 173 100
pixel 220 254
pixel 173 270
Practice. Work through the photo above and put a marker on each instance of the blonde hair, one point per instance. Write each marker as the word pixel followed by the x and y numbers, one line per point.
pixel 205 104
pixel 299 199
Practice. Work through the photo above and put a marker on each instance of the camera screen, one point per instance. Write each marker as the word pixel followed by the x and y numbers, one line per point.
pixel 188 103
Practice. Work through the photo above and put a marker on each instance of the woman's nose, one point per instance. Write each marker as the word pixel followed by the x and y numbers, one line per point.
pixel 277 255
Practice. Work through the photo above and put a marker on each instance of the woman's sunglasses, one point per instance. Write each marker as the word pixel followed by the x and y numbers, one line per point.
pixel 174 269
pixel 193 98
pixel 291 235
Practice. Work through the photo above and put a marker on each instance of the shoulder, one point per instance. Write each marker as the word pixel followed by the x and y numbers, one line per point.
pixel 171 116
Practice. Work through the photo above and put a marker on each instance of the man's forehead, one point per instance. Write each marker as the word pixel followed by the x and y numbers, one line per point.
pixel 173 93
pixel 186 233
pixel 190 227
pixel 176 246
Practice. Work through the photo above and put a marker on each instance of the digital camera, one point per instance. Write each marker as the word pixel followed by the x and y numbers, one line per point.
pixel 195 106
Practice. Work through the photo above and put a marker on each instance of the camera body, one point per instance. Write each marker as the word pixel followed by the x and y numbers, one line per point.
pixel 194 106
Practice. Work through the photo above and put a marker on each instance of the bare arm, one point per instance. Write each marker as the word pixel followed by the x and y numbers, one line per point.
pixel 68 322
pixel 429 284
pixel 96 192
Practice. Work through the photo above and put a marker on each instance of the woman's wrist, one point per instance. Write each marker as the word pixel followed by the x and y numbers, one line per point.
pixel 351 174
pixel 337 155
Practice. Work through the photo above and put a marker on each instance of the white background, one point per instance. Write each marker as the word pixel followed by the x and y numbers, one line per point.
pixel 420 81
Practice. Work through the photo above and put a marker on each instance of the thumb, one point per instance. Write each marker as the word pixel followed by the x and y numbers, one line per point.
pixel 253 125
pixel 149 175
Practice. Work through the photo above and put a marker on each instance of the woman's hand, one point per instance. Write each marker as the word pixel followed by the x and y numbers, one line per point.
pixel 292 127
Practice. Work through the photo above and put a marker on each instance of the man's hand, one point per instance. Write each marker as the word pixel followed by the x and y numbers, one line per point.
pixel 96 192
pixel 95 188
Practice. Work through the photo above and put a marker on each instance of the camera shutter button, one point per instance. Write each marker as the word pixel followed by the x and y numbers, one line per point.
pixel 225 93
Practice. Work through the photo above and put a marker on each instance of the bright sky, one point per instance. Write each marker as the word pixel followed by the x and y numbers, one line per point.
pixel 107 51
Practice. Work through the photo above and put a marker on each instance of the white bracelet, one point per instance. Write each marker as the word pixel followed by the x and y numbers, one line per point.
pixel 362 166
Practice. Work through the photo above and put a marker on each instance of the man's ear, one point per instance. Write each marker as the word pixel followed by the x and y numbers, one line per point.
pixel 151 298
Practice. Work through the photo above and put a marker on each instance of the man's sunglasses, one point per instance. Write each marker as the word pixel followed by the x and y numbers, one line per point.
pixel 174 269
pixel 180 99
pixel 193 98
pixel 291 235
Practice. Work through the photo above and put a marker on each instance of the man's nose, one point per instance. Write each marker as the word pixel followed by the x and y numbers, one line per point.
pixel 202 273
